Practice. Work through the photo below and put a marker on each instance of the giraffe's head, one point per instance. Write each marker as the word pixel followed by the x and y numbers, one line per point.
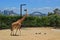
pixel 26 12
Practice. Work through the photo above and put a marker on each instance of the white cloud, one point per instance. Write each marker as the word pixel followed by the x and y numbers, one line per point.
pixel 44 9
pixel 41 9
pixel 10 8
pixel 15 9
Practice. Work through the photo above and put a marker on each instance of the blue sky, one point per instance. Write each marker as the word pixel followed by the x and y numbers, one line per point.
pixel 32 5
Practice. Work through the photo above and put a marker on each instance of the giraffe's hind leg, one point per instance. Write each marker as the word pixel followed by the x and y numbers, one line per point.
pixel 11 31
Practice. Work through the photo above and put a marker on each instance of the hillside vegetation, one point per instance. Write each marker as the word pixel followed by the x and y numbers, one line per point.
pixel 31 21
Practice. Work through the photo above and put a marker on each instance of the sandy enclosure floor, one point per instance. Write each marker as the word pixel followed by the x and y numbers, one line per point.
pixel 32 34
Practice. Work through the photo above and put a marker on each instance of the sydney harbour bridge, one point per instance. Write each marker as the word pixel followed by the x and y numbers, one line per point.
pixel 37 13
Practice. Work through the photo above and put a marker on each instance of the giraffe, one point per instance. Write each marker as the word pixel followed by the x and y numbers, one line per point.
pixel 17 25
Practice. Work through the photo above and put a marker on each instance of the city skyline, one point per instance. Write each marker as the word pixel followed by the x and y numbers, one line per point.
pixel 43 6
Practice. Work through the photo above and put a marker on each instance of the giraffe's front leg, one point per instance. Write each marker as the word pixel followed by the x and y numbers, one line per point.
pixel 16 31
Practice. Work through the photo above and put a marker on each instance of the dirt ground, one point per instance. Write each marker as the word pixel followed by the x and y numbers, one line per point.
pixel 32 34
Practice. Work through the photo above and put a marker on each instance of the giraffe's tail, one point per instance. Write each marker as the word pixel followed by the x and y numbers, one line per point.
pixel 11 28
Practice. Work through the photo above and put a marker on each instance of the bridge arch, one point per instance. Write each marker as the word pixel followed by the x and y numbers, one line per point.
pixel 36 13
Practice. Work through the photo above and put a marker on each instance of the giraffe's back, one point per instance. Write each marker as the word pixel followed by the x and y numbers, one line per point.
pixel 15 25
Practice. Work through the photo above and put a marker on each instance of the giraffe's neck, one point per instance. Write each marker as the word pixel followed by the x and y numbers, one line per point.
pixel 22 19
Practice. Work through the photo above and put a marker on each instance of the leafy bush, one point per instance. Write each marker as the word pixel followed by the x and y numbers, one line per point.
pixel 30 21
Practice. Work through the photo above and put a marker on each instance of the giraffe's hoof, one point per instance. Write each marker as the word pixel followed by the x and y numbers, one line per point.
pixel 15 35
pixel 12 34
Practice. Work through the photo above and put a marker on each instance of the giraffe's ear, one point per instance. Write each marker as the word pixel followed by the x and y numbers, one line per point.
pixel 26 12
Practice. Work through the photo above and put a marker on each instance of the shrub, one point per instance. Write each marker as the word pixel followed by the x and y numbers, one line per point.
pixel 31 21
